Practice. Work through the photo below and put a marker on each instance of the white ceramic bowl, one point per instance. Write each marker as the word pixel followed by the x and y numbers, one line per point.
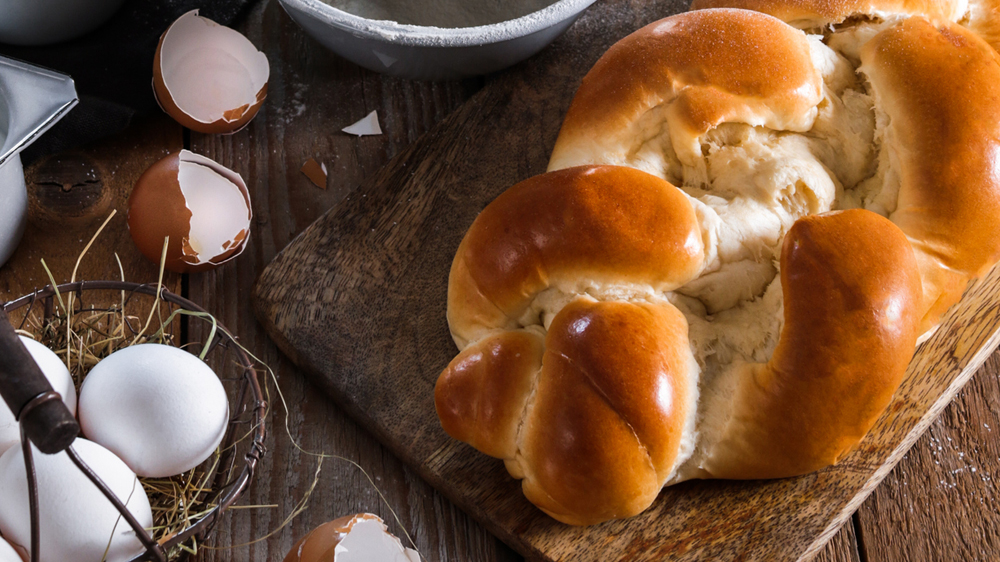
pixel 431 53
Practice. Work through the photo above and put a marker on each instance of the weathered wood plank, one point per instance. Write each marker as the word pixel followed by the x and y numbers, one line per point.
pixel 375 271
pixel 312 95
pixel 843 547
pixel 932 507
pixel 940 501
pixel 71 194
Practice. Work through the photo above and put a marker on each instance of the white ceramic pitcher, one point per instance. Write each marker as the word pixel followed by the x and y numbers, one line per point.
pixel 32 99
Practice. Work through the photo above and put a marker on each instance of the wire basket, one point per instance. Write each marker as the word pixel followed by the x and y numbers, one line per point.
pixel 230 469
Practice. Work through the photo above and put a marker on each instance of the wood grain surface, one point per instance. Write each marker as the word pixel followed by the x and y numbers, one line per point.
pixel 375 271
pixel 71 194
pixel 312 94
pixel 936 505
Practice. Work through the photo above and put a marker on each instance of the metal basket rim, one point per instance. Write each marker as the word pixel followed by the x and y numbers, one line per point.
pixel 235 487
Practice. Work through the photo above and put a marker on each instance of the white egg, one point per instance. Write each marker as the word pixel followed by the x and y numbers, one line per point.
pixel 7 552
pixel 60 379
pixel 76 521
pixel 159 408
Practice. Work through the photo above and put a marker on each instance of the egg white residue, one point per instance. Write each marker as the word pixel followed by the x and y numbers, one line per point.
pixel 159 408
pixel 220 215
pixel 58 376
pixel 77 523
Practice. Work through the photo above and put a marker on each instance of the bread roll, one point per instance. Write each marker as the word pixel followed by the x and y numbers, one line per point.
pixel 835 194
pixel 815 14
pixel 852 295
pixel 597 407
pixel 579 237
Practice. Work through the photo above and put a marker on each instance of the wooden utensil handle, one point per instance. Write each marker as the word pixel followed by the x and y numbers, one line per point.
pixel 48 423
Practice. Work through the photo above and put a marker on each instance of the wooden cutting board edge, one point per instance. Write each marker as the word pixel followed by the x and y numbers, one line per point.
pixel 932 414
pixel 272 315
pixel 265 315
pixel 269 314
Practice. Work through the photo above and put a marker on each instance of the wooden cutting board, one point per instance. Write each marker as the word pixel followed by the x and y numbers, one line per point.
pixel 358 301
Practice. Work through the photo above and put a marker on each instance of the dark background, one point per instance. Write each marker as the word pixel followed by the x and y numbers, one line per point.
pixel 113 68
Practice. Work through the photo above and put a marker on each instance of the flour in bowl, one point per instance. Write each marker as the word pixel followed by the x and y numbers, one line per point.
pixel 441 13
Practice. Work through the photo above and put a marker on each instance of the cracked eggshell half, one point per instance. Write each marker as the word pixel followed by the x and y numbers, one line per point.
pixel 161 409
pixel 57 374
pixel 208 77
pixel 76 521
pixel 201 205
pixel 355 538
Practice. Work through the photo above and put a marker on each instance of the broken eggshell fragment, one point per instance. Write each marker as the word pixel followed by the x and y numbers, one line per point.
pixel 208 77
pixel 355 538
pixel 367 126
pixel 202 206
pixel 316 172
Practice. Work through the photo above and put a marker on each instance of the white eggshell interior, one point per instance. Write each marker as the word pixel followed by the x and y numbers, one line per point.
pixel 369 540
pixel 365 127
pixel 210 69
pixel 159 408
pixel 57 374
pixel 76 521
pixel 7 552
pixel 217 199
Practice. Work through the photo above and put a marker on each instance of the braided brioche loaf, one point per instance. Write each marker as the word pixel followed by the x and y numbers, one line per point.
pixel 838 191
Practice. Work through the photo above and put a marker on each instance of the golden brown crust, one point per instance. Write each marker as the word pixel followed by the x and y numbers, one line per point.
pixel 587 225
pixel 808 14
pixel 945 132
pixel 603 433
pixel 843 275
pixel 480 396
pixel 606 407
pixel 709 67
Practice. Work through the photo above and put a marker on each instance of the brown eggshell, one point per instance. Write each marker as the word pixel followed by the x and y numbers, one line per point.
pixel 320 545
pixel 231 119
pixel 316 172
pixel 158 209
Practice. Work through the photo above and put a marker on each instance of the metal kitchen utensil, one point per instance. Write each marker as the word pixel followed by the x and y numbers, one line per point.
pixel 32 99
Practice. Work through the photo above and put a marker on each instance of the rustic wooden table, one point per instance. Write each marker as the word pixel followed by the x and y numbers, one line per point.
pixel 938 503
